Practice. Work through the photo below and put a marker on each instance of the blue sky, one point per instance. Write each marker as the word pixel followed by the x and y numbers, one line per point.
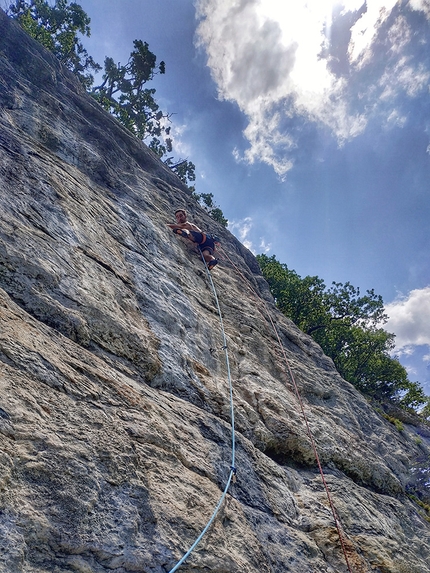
pixel 310 124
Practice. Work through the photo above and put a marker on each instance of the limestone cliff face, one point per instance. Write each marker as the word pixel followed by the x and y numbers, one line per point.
pixel 115 436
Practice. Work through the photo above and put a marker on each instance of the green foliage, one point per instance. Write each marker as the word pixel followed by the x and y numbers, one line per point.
pixel 422 504
pixel 123 94
pixel 57 28
pixel 395 421
pixel 347 327
pixel 206 200
pixel 185 170
pixel 419 486
pixel 313 306
pixel 425 411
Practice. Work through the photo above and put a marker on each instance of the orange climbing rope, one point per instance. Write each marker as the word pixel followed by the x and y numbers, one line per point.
pixel 308 429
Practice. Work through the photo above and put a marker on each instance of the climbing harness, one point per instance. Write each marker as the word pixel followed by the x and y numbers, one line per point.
pixel 305 418
pixel 181 232
pixel 232 474
pixel 204 241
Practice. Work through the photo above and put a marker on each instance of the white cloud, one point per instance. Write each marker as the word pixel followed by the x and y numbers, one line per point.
pixel 410 320
pixel 422 5
pixel 411 371
pixel 241 230
pixel 180 143
pixel 405 351
pixel 260 55
pixel 264 246
pixel 394 118
pixel 238 158
pixel 404 76
pixel 266 56
pixel 364 30
pixel 251 65
pixel 399 35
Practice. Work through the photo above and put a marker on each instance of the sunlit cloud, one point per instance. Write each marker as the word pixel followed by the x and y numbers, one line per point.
pixel 421 5
pixel 275 61
pixel 365 29
pixel 409 320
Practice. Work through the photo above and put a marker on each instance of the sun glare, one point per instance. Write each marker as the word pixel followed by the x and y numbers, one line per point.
pixel 321 9
pixel 306 25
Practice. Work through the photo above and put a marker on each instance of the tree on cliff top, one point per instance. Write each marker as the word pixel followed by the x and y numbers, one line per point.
pixel 57 29
pixel 122 90
pixel 123 94
pixel 347 326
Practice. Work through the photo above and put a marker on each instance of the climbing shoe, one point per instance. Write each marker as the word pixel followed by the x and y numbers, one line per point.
pixel 212 263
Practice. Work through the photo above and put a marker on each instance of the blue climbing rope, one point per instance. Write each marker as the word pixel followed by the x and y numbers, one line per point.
pixel 232 467
pixel 224 340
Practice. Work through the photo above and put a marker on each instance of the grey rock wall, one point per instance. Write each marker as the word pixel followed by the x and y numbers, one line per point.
pixel 115 435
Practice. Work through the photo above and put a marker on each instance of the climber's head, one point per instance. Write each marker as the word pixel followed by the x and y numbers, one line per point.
pixel 180 215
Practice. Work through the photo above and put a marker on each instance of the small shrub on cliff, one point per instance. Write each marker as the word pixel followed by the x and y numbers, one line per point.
pixel 184 169
pixel 395 421
pixel 206 200
pixel 422 505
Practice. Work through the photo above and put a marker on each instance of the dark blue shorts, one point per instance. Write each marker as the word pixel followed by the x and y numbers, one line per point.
pixel 205 242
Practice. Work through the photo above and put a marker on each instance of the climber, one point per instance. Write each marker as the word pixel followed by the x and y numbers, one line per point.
pixel 206 243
